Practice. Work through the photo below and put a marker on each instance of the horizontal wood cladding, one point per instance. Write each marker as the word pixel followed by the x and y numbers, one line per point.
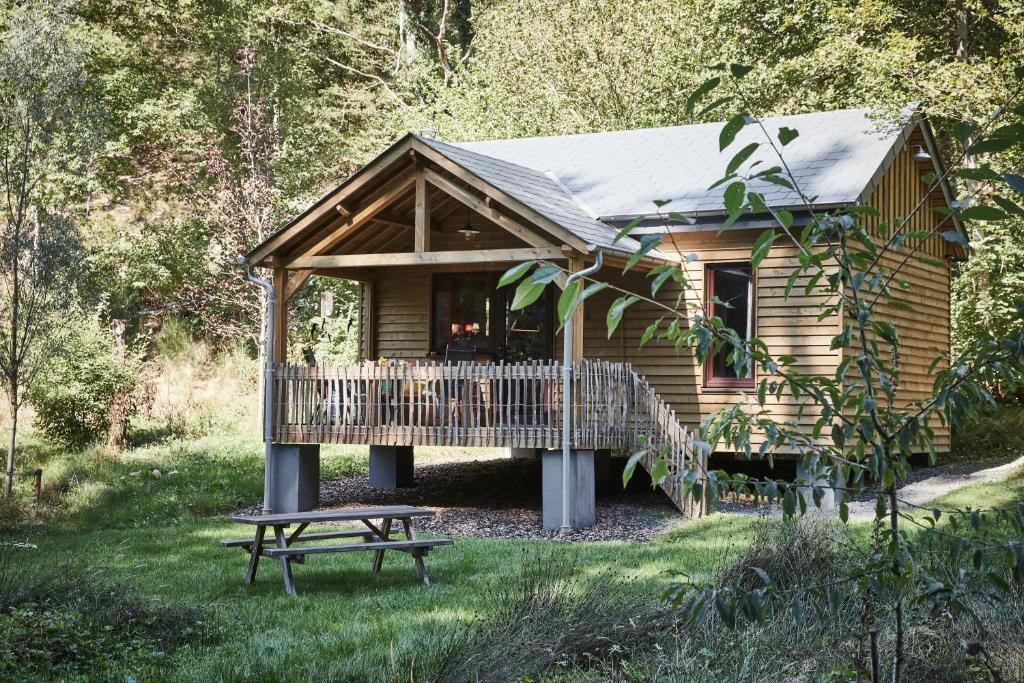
pixel 788 326
pixel 402 315
pixel 901 199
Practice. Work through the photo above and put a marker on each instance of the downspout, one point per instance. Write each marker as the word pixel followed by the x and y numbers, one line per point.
pixel 268 388
pixel 566 391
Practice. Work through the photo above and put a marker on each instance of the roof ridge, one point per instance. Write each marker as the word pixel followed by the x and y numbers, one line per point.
pixel 579 202
pixel 647 128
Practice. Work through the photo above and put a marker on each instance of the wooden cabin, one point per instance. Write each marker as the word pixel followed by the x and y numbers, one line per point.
pixel 427 228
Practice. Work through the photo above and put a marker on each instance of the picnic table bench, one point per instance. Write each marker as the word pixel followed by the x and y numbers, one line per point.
pixel 374 538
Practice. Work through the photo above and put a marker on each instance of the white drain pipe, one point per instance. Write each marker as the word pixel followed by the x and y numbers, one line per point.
pixel 268 388
pixel 566 391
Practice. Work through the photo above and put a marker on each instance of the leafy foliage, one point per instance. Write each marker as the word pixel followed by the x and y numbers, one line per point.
pixel 90 389
pixel 862 433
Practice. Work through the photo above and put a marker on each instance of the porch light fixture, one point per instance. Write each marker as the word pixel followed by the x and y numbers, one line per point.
pixel 920 154
pixel 469 232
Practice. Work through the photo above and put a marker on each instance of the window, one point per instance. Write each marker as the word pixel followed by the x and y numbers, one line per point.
pixel 469 309
pixel 729 291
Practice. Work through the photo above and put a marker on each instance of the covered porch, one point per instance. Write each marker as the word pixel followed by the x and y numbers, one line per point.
pixel 445 360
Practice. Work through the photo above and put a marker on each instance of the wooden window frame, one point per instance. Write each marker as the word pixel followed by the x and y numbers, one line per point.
pixel 727 384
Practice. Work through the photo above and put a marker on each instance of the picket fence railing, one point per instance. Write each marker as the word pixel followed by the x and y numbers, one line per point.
pixel 484 405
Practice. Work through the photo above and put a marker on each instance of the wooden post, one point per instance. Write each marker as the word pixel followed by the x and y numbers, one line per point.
pixel 369 321
pixel 422 224
pixel 575 266
pixel 280 314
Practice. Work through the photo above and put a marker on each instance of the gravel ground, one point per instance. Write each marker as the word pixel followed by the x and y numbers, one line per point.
pixel 501 498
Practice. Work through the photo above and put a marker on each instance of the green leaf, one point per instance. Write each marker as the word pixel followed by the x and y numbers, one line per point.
pixel 649 332
pixel 527 292
pixel 514 273
pixel 762 246
pixel 954 236
pixel 545 274
pixel 776 179
pixel 982 213
pixel 844 512
pixel 647 243
pixel 789 503
pixel 733 197
pixel 702 90
pixel 627 472
pixel 568 301
pixel 741 156
pixel 787 135
pixel 659 472
pixel 1014 181
pixel 616 311
pixel 739 70
pixel 991 145
pixel 729 131
pixel 963 130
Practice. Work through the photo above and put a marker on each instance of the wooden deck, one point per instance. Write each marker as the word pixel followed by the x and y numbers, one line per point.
pixel 483 405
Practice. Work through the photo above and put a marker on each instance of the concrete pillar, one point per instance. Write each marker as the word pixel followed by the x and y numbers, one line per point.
pixel 391 467
pixel 295 477
pixel 830 499
pixel 523 453
pixel 582 510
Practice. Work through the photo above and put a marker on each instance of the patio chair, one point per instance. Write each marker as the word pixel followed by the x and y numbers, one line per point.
pixel 459 354
pixel 465 392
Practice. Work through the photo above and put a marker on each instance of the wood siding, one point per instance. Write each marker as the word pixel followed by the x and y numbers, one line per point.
pixel 925 330
pixel 399 306
pixel 788 326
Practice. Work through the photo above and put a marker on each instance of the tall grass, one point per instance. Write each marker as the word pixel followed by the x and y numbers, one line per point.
pixel 198 390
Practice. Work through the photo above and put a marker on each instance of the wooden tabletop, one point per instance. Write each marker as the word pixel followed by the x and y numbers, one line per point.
pixel 346 515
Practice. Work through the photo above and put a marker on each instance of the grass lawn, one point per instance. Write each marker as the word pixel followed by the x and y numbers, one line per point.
pixel 160 533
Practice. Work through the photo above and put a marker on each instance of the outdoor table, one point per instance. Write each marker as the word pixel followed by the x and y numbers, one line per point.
pixel 374 538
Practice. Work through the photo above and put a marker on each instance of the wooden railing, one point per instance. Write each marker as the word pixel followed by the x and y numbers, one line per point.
pixel 490 405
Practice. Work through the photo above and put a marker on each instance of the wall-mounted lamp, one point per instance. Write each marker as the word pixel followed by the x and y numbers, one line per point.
pixel 920 154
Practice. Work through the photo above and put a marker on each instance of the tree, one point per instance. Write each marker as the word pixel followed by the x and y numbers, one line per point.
pixel 47 127
pixel 863 434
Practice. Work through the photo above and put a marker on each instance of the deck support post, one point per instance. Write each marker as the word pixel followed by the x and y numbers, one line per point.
pixel 295 477
pixel 391 467
pixel 582 503
pixel 830 499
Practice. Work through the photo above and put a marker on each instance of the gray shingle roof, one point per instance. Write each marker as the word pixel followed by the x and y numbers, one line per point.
pixel 622 173
pixel 538 191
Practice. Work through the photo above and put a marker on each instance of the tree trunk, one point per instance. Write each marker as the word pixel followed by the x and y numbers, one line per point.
pixel 9 486
pixel 963 26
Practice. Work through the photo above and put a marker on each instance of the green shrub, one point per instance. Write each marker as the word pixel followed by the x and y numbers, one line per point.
pixel 794 552
pixel 990 434
pixel 88 393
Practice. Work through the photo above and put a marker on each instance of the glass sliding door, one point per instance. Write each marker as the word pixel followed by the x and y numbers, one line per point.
pixel 470 310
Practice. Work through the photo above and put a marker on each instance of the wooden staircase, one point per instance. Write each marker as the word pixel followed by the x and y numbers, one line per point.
pixel 657 432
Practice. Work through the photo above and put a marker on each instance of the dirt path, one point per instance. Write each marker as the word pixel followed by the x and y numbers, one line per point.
pixel 924 490
pixel 923 485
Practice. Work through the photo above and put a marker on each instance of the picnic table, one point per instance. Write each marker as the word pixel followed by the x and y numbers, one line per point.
pixel 377 539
